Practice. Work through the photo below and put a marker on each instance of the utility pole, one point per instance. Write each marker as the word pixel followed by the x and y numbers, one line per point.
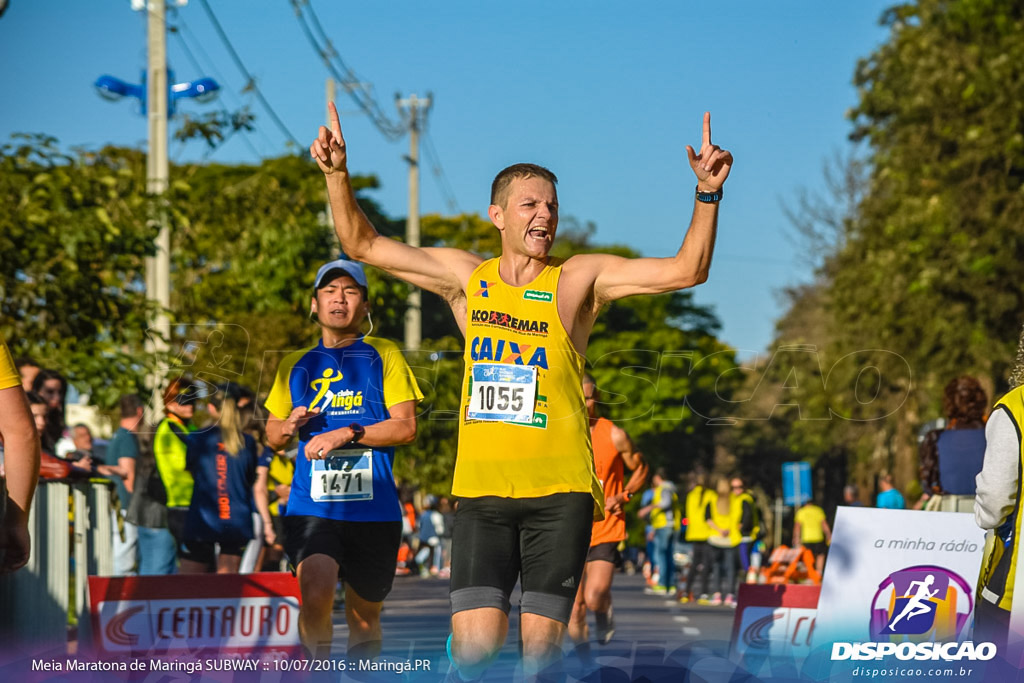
pixel 158 267
pixel 415 109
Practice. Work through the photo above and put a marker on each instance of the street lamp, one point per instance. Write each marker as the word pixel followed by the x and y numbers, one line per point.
pixel 162 92
pixel 113 88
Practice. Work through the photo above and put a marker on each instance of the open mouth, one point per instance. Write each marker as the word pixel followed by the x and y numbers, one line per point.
pixel 538 233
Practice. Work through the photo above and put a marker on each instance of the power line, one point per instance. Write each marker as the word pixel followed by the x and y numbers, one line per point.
pixel 175 30
pixel 356 89
pixel 250 81
pixel 439 174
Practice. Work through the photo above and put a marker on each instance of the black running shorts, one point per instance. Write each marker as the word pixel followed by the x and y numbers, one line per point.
pixel 366 552
pixel 542 542
pixel 606 552
pixel 204 552
pixel 818 548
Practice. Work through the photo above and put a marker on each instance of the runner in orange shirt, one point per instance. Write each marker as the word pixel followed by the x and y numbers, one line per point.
pixel 613 451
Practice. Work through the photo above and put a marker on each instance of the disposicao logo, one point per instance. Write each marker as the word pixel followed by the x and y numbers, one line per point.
pixel 919 613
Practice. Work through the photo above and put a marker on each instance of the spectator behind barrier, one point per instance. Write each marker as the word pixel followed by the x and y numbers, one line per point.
pixel 222 460
pixel 51 386
pixel 147 510
pixel 169 451
pixel 27 370
pixel 122 452
pixel 951 458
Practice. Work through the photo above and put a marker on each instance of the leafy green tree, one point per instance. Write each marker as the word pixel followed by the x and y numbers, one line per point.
pixel 73 236
pixel 918 245
pixel 932 267
pixel 929 268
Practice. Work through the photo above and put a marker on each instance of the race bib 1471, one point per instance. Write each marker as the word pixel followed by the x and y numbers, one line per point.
pixel 343 475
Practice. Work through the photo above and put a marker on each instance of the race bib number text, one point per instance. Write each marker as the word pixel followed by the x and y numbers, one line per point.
pixel 343 475
pixel 503 393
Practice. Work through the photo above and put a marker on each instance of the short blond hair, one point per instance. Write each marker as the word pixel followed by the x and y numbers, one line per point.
pixel 502 181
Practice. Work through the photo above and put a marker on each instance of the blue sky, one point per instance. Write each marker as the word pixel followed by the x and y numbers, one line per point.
pixel 606 95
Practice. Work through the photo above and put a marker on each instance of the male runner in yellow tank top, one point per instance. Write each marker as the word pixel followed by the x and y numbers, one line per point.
pixel 524 473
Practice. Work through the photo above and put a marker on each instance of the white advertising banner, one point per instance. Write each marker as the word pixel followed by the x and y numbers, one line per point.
pixel 897 579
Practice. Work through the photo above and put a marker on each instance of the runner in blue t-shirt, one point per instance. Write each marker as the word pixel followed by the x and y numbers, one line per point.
pixel 350 399
pixel 222 460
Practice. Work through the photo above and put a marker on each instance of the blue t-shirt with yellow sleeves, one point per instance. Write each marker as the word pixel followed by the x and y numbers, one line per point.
pixel 358 383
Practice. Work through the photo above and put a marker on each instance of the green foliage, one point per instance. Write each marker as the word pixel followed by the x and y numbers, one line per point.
pixel 73 236
pixel 214 128
pixel 663 374
pixel 429 462
pixel 919 281
pixel 931 269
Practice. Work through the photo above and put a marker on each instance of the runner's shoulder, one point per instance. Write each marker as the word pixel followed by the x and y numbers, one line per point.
pixel 581 271
pixel 460 264
pixel 293 357
pixel 382 346
pixel 591 263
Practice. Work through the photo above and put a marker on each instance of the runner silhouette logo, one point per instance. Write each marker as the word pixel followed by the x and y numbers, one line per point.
pixel 917 609
pixel 927 601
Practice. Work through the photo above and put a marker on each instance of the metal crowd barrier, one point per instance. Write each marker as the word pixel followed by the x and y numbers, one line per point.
pixel 71 528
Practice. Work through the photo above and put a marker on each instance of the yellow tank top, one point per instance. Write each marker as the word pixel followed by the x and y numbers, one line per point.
pixel 545 448
pixel 9 375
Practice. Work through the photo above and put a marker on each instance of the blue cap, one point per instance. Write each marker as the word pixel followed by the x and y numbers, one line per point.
pixel 350 268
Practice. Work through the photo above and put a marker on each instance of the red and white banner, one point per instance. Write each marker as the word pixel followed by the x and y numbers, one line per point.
pixel 227 613
pixel 774 620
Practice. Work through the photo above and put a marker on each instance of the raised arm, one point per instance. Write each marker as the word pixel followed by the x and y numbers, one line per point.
pixel 442 271
pixel 616 277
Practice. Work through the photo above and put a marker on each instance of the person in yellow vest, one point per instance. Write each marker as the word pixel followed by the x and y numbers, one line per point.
pixel 663 515
pixel 750 528
pixel 723 517
pixel 811 530
pixel 20 464
pixel 524 472
pixel 698 498
pixel 613 454
pixel 997 509
pixel 169 450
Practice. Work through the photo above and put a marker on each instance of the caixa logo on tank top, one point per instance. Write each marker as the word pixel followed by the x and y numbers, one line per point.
pixel 919 613
pixel 503 351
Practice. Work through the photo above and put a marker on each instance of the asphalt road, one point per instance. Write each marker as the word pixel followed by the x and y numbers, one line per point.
pixel 655 637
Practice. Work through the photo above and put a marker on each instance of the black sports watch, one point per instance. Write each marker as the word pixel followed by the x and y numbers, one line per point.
pixel 358 431
pixel 709 197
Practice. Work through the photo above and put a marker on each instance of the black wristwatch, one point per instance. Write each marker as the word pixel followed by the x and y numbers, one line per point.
pixel 709 197
pixel 358 431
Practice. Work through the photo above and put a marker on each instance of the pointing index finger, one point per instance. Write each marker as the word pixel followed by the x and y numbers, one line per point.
pixel 706 138
pixel 335 121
